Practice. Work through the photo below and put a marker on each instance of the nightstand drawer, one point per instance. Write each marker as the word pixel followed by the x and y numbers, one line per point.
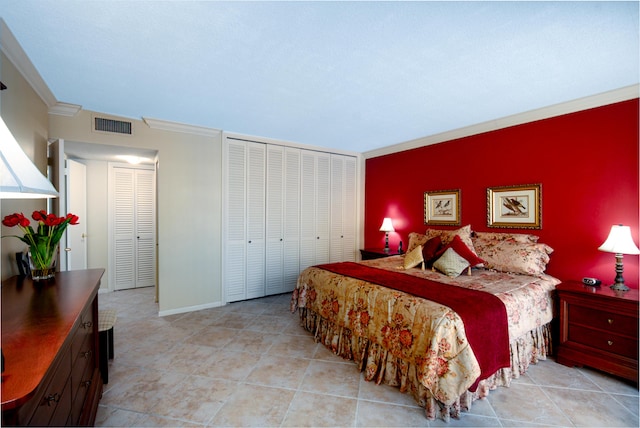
pixel 603 320
pixel 620 345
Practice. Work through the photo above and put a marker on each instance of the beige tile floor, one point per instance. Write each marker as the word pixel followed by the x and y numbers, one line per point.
pixel 251 364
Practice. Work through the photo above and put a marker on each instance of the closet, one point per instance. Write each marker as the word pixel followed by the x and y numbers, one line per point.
pixel 284 207
pixel 132 222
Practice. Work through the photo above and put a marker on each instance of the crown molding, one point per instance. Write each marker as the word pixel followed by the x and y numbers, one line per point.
pixel 165 125
pixel 65 109
pixel 610 97
pixel 11 48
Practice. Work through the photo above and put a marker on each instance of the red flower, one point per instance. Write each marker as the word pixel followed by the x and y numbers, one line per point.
pixel 39 215
pixel 44 240
pixel 52 220
pixel 74 219
pixel 442 367
pixel 406 338
pixel 335 306
pixel 364 318
pixel 16 220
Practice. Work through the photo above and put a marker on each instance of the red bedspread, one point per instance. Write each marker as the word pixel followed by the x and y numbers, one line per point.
pixel 483 314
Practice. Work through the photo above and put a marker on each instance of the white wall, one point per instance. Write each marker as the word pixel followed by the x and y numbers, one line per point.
pixel 26 116
pixel 189 207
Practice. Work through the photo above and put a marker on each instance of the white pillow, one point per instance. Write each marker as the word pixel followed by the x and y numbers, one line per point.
pixel 451 263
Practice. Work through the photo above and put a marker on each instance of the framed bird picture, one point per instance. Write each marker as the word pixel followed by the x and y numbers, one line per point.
pixel 515 206
pixel 442 207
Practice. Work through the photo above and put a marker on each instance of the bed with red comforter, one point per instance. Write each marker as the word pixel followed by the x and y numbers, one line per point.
pixel 447 340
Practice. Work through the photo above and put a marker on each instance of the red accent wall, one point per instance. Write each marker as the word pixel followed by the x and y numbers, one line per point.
pixel 587 163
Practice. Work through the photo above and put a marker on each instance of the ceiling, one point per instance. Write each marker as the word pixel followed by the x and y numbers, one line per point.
pixel 351 75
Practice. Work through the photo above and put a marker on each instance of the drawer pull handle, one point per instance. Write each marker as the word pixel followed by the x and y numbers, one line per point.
pixel 86 354
pixel 610 321
pixel 87 324
pixel 87 383
pixel 609 342
pixel 52 398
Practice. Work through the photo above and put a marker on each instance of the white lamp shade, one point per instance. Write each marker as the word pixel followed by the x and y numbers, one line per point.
pixel 19 177
pixel 386 225
pixel 620 241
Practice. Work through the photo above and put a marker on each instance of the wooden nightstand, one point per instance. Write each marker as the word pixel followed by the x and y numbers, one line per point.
pixel 377 253
pixel 599 328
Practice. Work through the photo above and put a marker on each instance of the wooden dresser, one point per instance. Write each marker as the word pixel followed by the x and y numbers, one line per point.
pixel 50 348
pixel 599 328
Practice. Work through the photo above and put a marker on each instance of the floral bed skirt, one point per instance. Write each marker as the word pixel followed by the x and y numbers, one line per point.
pixel 381 366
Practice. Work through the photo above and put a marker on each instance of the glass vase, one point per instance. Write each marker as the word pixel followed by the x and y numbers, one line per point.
pixel 43 266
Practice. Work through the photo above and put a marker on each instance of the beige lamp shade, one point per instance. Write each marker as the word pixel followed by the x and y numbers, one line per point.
pixel 386 225
pixel 19 177
pixel 620 241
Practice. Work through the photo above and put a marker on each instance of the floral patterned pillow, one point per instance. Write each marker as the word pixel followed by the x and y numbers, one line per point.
pixel 515 257
pixel 416 239
pixel 497 236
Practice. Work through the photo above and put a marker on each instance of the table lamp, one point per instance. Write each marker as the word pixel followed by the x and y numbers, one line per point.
pixel 386 228
pixel 619 242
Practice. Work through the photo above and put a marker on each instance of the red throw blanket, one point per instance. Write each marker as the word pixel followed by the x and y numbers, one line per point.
pixel 483 314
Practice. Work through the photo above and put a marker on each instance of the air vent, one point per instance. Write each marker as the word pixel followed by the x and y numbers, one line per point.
pixel 110 125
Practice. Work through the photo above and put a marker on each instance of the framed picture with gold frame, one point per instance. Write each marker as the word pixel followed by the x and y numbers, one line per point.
pixel 515 206
pixel 442 207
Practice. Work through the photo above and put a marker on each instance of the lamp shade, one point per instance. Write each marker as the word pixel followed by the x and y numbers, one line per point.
pixel 619 241
pixel 386 225
pixel 19 177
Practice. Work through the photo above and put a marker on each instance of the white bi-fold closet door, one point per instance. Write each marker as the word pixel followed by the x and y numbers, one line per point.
pixel 132 221
pixel 277 215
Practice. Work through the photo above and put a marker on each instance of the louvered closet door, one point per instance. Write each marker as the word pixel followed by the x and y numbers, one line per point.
pixel 275 220
pixel 349 209
pixel 124 273
pixel 337 207
pixel 323 204
pixel 314 208
pixel 134 230
pixel 256 203
pixel 145 228
pixel 343 208
pixel 236 217
pixel 291 218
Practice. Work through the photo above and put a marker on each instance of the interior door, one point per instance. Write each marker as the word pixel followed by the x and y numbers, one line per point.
pixel 132 207
pixel 58 178
pixel 76 247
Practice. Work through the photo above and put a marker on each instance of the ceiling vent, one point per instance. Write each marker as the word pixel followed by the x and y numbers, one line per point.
pixel 111 125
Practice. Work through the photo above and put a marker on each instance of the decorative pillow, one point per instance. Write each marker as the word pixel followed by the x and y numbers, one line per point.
pixel 515 257
pixel 497 236
pixel 451 263
pixel 413 258
pixel 416 239
pixel 430 250
pixel 447 235
pixel 463 250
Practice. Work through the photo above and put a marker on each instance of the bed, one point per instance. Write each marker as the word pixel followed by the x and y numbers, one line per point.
pixel 423 346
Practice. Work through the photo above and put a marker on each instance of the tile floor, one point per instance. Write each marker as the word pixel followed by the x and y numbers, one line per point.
pixel 251 364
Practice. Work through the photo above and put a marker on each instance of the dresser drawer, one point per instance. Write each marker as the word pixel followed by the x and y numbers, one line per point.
pixel 604 320
pixel 620 345
pixel 54 403
pixel 82 379
pixel 83 330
